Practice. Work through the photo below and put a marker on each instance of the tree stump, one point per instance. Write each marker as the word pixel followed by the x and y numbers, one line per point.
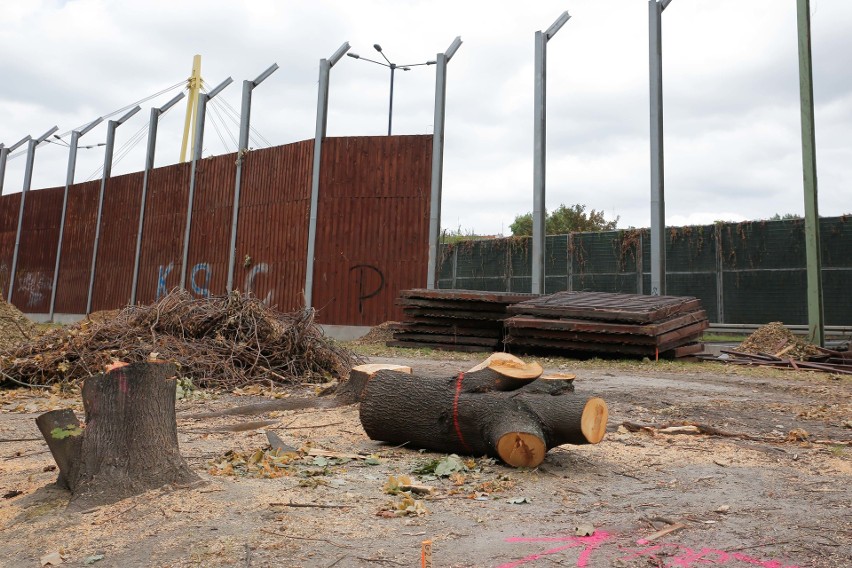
pixel 129 443
pixel 482 412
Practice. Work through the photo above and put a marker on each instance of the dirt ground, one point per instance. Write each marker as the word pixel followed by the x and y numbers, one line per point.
pixel 731 501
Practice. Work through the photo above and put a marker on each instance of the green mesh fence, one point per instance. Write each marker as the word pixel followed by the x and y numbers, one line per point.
pixel 751 272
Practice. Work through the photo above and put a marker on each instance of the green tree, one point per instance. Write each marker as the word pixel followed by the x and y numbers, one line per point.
pixel 573 219
pixel 785 217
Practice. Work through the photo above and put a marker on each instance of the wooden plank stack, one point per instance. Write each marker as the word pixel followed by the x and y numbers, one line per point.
pixel 456 320
pixel 610 324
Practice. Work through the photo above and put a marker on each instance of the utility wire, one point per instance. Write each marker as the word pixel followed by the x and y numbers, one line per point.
pixel 113 113
pixel 237 118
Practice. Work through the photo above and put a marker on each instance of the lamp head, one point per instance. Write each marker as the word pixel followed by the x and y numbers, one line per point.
pixel 377 47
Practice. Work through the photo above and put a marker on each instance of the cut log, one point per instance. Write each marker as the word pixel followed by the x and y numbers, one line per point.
pixel 446 415
pixel 129 444
pixel 352 389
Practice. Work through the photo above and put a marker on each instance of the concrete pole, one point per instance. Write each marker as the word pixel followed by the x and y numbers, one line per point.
pixel 28 179
pixel 198 137
pixel 322 123
pixel 110 147
pixel 816 323
pixel 69 181
pixel 441 61
pixel 149 165
pixel 540 151
pixel 4 155
pixel 245 124
pixel 658 203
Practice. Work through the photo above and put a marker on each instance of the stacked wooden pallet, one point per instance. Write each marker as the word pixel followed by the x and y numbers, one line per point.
pixel 457 320
pixel 604 323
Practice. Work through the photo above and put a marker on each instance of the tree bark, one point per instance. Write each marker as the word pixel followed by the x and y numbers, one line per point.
pixel 463 415
pixel 129 444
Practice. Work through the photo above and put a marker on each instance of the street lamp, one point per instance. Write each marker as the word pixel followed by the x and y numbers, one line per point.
pixel 393 67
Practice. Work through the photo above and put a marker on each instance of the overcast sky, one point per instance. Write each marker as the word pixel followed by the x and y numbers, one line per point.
pixel 730 70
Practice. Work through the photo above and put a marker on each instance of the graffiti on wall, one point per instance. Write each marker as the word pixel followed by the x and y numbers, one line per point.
pixel 363 273
pixel 200 276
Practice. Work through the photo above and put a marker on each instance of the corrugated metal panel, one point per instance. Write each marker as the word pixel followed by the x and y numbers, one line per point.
pixel 72 285
pixel 207 262
pixel 37 254
pixel 272 235
pixel 162 233
pixel 372 226
pixel 117 247
pixel 9 205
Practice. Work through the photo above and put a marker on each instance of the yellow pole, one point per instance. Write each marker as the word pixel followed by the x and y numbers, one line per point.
pixel 193 85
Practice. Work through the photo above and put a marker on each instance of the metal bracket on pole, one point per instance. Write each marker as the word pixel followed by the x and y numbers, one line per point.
pixel 438 159
pixel 245 123
pixel 658 202
pixel 28 179
pixel 4 154
pixel 149 165
pixel 69 180
pixel 110 145
pixel 540 151
pixel 322 122
pixel 203 99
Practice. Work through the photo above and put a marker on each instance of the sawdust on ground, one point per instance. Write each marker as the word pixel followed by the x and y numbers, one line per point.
pixel 14 326
pixel 381 333
pixel 775 339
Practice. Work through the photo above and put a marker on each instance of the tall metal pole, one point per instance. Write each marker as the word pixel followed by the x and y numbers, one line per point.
pixel 540 151
pixel 149 165
pixel 69 180
pixel 322 122
pixel 438 159
pixel 198 137
pixel 539 161
pixel 28 179
pixel 816 323
pixel 658 202
pixel 4 155
pixel 110 146
pixel 390 108
pixel 245 123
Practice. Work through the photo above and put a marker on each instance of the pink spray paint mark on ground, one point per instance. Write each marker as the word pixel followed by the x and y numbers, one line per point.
pixel 589 544
pixel 670 555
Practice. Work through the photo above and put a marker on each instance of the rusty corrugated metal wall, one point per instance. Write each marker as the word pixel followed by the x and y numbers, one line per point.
pixel 372 237
pixel 272 236
pixel 72 285
pixel 37 253
pixel 117 246
pixel 9 206
pixel 372 226
pixel 207 262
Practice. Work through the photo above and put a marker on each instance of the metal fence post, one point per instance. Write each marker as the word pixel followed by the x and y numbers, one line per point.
pixel 69 180
pixel 110 146
pixel 149 165
pixel 203 99
pixel 322 123
pixel 436 190
pixel 28 180
pixel 4 154
pixel 816 323
pixel 720 276
pixel 658 203
pixel 540 150
pixel 245 124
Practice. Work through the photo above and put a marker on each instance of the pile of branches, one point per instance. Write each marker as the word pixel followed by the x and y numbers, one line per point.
pixel 218 342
